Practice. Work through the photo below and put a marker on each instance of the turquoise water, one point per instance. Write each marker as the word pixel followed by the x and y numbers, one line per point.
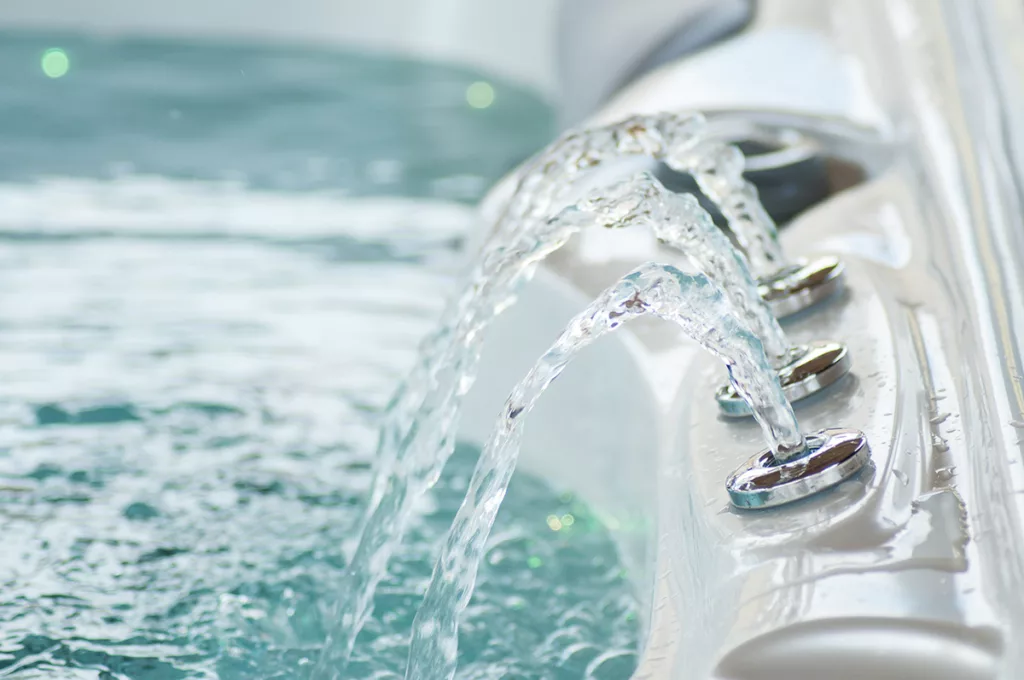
pixel 215 265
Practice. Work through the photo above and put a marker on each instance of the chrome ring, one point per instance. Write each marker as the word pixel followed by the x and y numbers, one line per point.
pixel 805 283
pixel 833 456
pixel 812 369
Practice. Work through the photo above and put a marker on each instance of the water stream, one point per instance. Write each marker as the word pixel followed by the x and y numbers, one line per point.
pixel 704 313
pixel 681 223
pixel 718 169
pixel 419 425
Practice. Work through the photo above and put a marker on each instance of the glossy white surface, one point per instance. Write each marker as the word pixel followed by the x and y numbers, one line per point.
pixel 913 569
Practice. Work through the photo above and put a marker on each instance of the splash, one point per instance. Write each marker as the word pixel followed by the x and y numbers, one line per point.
pixel 683 143
pixel 718 169
pixel 680 222
pixel 419 425
pixel 696 305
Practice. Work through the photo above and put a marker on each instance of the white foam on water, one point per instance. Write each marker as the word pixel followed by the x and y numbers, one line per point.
pixel 148 205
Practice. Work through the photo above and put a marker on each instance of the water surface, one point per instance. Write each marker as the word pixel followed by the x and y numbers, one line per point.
pixel 215 265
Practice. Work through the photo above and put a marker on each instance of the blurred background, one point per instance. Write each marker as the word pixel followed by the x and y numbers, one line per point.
pixel 224 227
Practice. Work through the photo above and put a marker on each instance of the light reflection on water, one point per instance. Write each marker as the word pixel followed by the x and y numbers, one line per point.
pixel 198 323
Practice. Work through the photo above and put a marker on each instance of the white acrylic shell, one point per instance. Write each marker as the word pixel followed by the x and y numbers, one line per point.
pixel 914 568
